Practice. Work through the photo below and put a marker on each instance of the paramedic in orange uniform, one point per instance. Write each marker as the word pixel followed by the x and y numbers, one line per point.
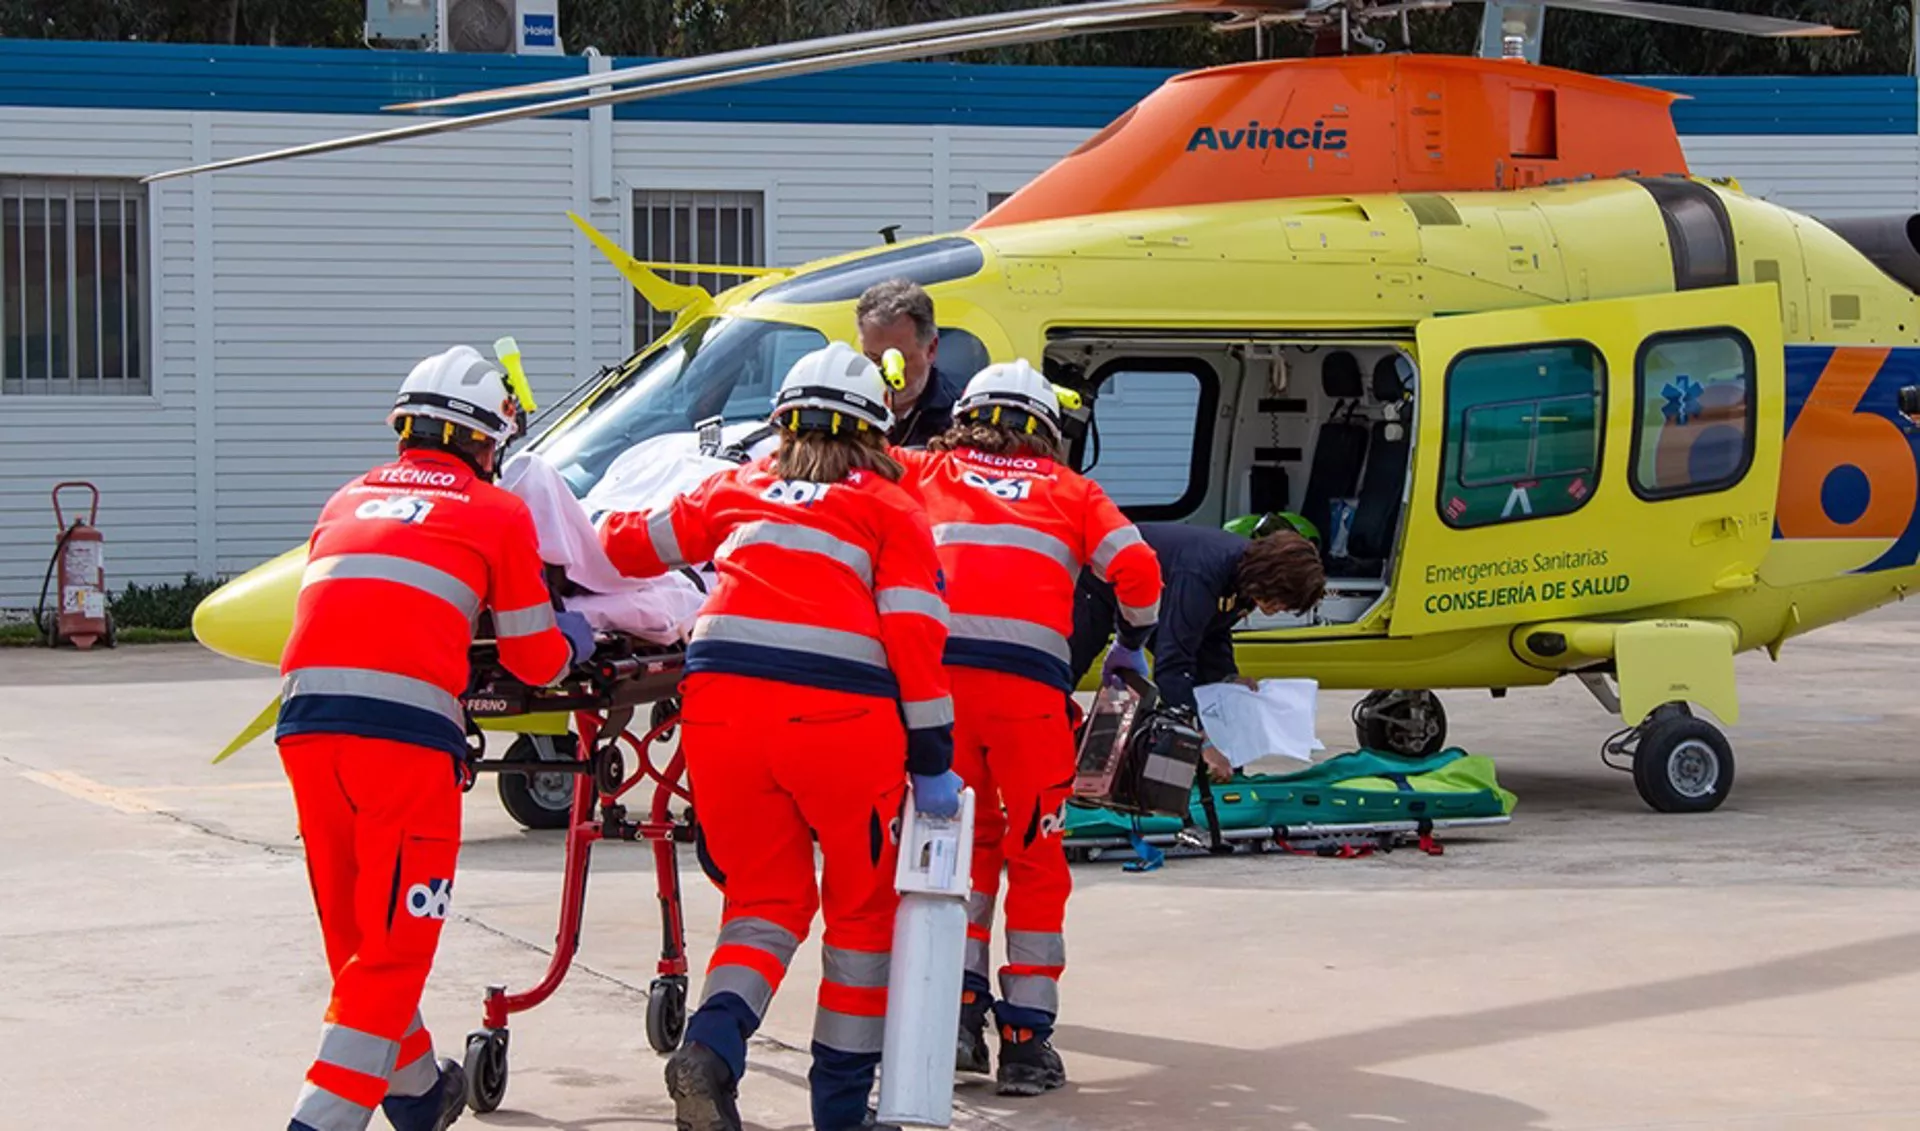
pixel 1014 527
pixel 372 733
pixel 814 692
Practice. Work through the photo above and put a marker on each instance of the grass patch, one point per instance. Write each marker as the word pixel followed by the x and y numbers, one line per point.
pixel 139 635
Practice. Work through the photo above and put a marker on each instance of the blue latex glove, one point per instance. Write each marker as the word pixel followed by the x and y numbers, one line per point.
pixel 937 795
pixel 578 632
pixel 1121 658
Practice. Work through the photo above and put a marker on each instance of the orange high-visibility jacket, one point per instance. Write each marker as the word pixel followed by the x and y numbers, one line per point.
pixel 1013 534
pixel 398 568
pixel 832 585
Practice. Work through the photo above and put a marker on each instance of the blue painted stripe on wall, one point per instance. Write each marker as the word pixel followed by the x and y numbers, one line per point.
pixel 146 76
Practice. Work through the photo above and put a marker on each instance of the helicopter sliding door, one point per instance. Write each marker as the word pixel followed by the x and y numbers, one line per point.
pixel 1590 458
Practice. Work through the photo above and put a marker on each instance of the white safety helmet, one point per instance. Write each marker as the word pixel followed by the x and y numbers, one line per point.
pixel 831 388
pixel 460 388
pixel 1012 393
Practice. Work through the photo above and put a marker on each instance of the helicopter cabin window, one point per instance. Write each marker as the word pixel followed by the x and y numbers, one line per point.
pixel 1523 433
pixel 1153 421
pixel 720 228
pixel 73 288
pixel 1694 412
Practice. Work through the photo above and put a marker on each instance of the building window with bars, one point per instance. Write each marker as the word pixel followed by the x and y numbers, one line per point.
pixel 73 294
pixel 723 228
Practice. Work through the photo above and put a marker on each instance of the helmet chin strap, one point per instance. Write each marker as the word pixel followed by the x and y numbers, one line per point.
pixel 443 442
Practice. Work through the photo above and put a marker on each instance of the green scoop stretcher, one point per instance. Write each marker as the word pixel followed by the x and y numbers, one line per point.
pixel 1347 805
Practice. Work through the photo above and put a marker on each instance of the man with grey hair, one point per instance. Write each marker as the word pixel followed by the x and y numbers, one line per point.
pixel 898 314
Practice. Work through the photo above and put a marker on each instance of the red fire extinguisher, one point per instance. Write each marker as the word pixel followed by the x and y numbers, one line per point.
pixel 80 556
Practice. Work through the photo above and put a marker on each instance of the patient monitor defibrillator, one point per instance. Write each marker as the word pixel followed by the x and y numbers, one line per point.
pixel 1135 755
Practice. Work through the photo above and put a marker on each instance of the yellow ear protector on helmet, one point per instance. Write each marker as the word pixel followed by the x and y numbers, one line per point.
pixel 893 367
pixel 508 351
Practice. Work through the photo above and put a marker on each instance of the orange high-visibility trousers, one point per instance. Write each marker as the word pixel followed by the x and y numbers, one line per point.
pixel 1013 743
pixel 774 765
pixel 381 824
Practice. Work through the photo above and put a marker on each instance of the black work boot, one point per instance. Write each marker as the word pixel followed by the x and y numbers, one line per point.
pixel 971 1053
pixel 703 1090
pixel 437 1109
pixel 1028 1067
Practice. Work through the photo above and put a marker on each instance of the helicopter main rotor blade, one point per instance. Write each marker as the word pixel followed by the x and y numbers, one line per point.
pixel 944 45
pixel 1706 18
pixel 824 45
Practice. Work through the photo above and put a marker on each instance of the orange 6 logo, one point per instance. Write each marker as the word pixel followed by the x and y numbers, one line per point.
pixel 1847 470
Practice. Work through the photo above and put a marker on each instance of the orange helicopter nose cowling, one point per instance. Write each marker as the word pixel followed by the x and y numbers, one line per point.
pixel 1340 126
pixel 250 617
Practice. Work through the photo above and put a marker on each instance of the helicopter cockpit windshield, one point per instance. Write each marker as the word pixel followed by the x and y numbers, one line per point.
pixel 721 366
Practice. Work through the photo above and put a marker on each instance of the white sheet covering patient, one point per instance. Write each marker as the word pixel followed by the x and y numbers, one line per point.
pixel 644 477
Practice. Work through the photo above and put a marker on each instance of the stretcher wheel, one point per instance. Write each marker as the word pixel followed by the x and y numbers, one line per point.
pixel 666 1013
pixel 486 1069
pixel 536 800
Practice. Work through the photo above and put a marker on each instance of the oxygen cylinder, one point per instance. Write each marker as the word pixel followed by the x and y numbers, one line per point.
pixel 934 878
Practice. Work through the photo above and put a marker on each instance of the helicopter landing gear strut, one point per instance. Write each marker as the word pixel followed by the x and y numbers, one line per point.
pixel 1410 724
pixel 1680 762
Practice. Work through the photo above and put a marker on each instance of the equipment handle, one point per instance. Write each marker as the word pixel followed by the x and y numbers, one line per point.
pixel 93 514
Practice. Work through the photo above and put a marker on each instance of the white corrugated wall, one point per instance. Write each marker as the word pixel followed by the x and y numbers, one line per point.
pixel 289 299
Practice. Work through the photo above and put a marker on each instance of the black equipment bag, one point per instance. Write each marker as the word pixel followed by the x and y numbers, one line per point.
pixel 1137 756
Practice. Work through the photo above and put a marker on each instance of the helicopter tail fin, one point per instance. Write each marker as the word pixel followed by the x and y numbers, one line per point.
pixel 660 293
pixel 261 723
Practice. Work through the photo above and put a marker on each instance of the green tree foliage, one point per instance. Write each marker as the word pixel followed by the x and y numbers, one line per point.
pixel 1596 44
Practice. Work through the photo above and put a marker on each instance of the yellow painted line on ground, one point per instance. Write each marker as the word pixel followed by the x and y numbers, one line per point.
pixel 86 789
pixel 223 787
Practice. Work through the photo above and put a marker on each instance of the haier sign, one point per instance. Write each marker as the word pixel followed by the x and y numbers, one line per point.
pixel 539 27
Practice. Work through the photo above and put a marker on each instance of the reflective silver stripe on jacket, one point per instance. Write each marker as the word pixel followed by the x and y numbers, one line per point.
pixel 748 984
pixel 787 536
pixel 1141 616
pixel 1110 547
pixel 1006 534
pixel 798 637
pixel 1036 948
pixel 357 1051
pixel 763 935
pixel 848 1032
pixel 903 599
pixel 530 621
pixel 666 544
pixel 860 969
pixel 368 684
pixel 1010 630
pixel 923 713
pixel 400 571
pixel 324 1111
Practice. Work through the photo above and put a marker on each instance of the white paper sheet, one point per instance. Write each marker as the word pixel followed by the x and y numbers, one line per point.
pixel 1247 725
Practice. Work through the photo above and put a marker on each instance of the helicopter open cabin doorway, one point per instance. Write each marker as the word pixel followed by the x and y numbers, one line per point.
pixel 1186 427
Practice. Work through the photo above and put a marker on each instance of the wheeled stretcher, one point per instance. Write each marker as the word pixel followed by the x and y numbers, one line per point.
pixel 626 675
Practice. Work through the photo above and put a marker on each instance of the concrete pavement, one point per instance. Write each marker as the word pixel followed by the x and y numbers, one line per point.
pixel 1593 965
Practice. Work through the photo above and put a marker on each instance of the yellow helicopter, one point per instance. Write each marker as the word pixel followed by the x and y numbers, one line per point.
pixel 1552 404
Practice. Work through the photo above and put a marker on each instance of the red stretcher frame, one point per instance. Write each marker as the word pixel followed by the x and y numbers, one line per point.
pixel 624 675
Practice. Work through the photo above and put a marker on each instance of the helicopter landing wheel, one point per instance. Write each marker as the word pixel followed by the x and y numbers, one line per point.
pixel 1681 763
pixel 1407 724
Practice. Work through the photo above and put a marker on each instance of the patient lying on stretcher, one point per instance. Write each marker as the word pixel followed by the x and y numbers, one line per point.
pixel 659 610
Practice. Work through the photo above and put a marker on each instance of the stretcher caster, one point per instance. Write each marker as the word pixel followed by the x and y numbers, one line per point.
pixel 1410 724
pixel 667 1012
pixel 486 1069
pixel 539 801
